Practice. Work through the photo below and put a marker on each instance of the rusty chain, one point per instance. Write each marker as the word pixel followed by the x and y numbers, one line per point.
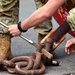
pixel 29 65
pixel 26 65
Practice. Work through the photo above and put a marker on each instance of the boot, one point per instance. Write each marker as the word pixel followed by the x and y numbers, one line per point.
pixel 5 52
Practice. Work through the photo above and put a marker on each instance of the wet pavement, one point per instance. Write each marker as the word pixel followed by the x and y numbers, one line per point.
pixel 20 47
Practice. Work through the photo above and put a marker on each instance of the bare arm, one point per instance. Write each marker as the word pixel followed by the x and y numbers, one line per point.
pixel 37 17
pixel 42 14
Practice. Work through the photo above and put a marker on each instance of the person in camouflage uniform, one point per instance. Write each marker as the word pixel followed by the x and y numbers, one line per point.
pixel 9 11
pixel 70 44
pixel 45 27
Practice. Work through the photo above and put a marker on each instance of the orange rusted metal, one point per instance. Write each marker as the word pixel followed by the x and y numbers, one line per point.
pixel 61 14
pixel 30 72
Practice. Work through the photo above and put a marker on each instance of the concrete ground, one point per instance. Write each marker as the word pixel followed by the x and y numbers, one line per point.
pixel 20 47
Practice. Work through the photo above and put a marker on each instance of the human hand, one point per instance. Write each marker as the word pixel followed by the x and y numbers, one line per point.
pixel 70 46
pixel 13 29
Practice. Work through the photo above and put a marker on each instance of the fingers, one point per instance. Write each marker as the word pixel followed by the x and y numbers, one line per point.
pixel 69 43
pixel 67 50
pixel 10 31
pixel 10 28
pixel 68 46
pixel 13 30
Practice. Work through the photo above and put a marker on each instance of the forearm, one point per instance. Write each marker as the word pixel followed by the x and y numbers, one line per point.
pixel 36 18
pixel 42 14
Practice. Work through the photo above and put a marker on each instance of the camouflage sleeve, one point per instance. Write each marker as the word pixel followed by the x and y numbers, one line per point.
pixel 71 19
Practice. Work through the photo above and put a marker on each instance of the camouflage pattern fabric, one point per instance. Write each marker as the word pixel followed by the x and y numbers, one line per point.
pixel 45 27
pixel 71 19
pixel 9 11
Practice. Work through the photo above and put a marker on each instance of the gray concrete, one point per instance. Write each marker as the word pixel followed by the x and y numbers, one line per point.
pixel 22 48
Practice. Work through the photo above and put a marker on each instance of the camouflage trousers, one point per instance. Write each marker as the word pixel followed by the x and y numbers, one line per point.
pixel 46 26
pixel 9 17
pixel 71 19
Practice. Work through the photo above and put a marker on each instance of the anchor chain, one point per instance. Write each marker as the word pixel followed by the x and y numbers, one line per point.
pixel 26 65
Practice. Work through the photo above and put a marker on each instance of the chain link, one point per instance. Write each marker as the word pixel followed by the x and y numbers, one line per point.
pixel 26 65
pixel 23 65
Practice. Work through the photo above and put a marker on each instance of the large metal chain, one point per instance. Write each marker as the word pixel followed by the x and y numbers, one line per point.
pixel 23 65
pixel 26 65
